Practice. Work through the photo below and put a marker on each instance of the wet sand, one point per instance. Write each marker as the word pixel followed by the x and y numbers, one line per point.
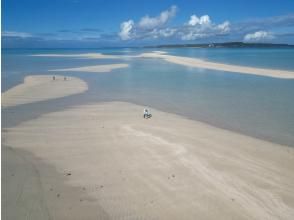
pixel 125 167
pixel 42 87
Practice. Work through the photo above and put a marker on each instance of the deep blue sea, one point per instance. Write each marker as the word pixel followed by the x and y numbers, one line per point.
pixel 262 107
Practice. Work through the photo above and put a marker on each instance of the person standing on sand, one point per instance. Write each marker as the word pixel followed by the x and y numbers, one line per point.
pixel 145 115
pixel 53 77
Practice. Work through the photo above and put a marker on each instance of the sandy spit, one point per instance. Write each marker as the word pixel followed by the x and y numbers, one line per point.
pixel 166 167
pixel 84 55
pixel 187 61
pixel 96 68
pixel 42 87
pixel 199 63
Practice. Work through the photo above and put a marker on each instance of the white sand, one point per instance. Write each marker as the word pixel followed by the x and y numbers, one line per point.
pixel 84 55
pixel 41 87
pixel 166 167
pixel 96 68
pixel 198 63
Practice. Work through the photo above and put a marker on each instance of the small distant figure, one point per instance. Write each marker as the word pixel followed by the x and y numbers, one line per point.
pixel 147 114
pixel 64 78
pixel 53 77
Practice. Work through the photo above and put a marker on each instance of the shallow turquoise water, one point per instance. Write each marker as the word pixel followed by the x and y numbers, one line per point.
pixel 258 106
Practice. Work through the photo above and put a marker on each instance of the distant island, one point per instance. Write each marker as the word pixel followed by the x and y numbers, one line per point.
pixel 224 45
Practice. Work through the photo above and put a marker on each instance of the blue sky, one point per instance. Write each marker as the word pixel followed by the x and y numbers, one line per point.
pixel 98 23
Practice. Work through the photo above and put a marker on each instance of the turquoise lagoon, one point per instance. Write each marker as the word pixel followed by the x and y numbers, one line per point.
pixel 261 107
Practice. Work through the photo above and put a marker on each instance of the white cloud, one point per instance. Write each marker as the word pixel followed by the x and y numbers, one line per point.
pixel 148 26
pixel 201 27
pixel 258 36
pixel 167 32
pixel 152 22
pixel 224 27
pixel 203 20
pixel 155 27
pixel 193 36
pixel 125 29
pixel 160 33
pixel 15 34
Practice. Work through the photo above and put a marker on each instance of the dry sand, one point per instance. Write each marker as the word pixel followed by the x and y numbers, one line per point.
pixel 41 87
pixel 117 165
pixel 96 68
pixel 194 62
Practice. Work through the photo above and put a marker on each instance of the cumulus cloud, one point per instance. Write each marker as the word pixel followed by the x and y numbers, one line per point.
pixel 148 27
pixel 258 36
pixel 203 20
pixel 224 27
pixel 153 22
pixel 155 27
pixel 201 27
pixel 125 29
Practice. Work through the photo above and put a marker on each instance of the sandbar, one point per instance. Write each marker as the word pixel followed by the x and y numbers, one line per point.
pixel 165 167
pixel 199 63
pixel 96 68
pixel 83 55
pixel 189 62
pixel 42 87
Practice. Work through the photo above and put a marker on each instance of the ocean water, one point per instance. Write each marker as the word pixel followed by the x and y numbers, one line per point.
pixel 258 106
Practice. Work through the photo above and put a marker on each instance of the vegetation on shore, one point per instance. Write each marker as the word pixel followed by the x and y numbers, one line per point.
pixel 225 45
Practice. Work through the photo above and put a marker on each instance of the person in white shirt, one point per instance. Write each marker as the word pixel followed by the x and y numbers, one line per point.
pixel 145 115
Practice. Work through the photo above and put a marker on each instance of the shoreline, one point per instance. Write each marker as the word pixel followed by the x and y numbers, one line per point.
pixel 158 159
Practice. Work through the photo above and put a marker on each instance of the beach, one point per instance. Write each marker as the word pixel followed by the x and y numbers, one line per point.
pixel 103 160
pixel 42 87
pixel 147 110
pixel 100 159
